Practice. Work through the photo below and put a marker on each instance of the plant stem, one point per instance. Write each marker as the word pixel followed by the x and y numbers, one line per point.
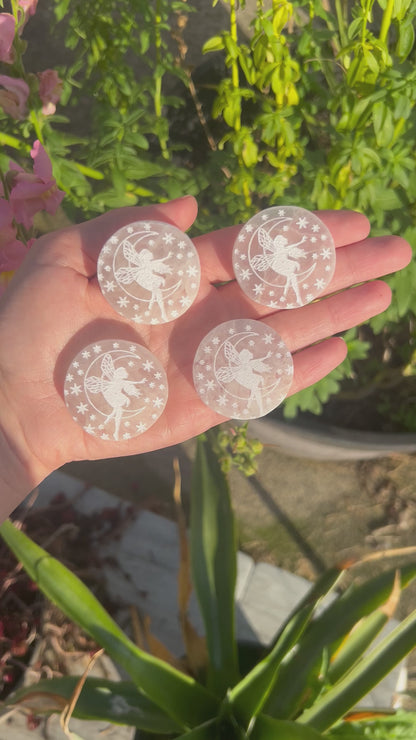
pixel 339 10
pixel 234 64
pixel 4 184
pixel 386 20
pixel 158 75
pixel 36 125
pixel 13 142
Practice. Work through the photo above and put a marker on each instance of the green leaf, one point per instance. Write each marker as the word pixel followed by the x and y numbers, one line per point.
pixel 336 702
pixel 207 731
pixel 406 39
pixel 267 728
pixel 118 702
pixel 361 637
pixel 213 558
pixel 249 696
pixel 113 199
pixel 404 282
pixel 181 697
pixel 324 633
pixel 216 43
pixel 383 123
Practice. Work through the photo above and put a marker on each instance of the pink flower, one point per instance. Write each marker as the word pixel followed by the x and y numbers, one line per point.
pixel 14 97
pixel 12 251
pixel 7 31
pixel 50 90
pixel 29 7
pixel 35 192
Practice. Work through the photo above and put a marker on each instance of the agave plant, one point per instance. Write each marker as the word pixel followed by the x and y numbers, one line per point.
pixel 304 686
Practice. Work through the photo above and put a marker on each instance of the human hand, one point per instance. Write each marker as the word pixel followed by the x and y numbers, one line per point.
pixel 54 307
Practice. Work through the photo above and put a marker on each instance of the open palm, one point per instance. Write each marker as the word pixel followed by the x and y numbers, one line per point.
pixel 54 307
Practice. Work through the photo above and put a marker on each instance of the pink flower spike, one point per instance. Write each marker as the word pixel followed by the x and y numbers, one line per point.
pixel 6 215
pixel 50 90
pixel 12 251
pixel 7 31
pixel 42 166
pixel 14 97
pixel 35 192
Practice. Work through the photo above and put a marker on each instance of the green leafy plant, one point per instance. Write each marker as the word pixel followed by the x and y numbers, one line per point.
pixel 318 111
pixel 303 686
pixel 314 106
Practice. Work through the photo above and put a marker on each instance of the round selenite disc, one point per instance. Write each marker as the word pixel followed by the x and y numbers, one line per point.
pixel 284 257
pixel 149 272
pixel 242 369
pixel 115 389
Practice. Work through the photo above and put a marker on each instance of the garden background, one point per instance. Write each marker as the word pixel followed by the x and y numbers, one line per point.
pixel 315 108
pixel 313 105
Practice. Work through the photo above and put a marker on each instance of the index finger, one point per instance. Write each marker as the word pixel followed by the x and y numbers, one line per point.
pixel 78 246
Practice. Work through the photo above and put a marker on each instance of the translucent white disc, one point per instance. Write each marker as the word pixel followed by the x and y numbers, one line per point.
pixel 242 369
pixel 115 389
pixel 284 257
pixel 149 272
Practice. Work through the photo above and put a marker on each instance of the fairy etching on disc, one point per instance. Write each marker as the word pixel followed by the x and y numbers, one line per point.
pixel 147 271
pixel 114 385
pixel 247 370
pixel 282 257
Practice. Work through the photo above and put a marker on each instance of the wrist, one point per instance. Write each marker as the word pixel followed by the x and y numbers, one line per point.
pixel 20 472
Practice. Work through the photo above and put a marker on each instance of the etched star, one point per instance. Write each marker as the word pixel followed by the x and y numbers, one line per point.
pixel 123 302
